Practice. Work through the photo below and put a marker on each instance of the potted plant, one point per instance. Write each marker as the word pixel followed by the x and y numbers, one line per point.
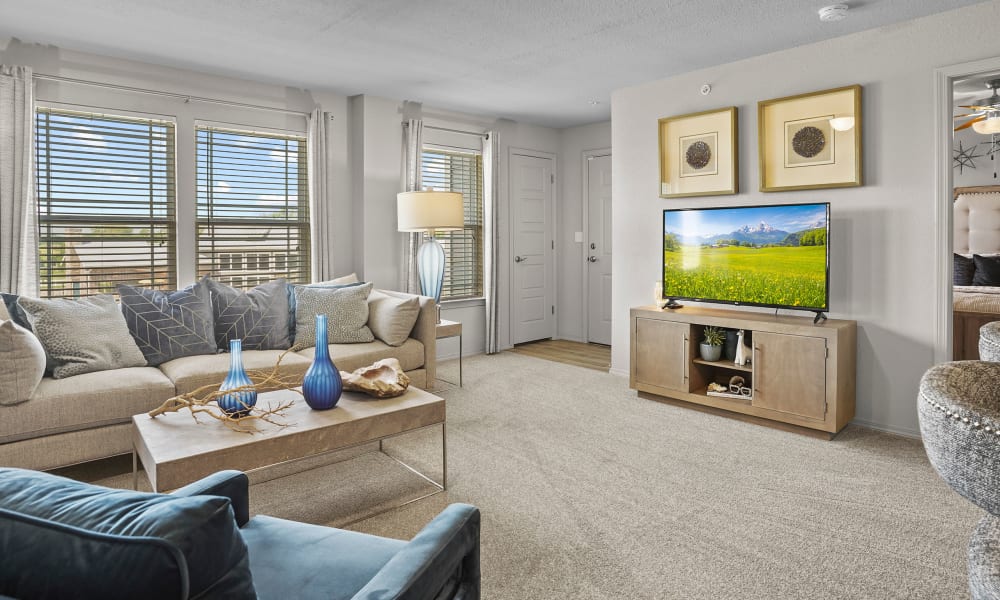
pixel 711 343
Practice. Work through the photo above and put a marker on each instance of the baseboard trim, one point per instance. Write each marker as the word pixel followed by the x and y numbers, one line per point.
pixel 909 433
pixel 618 372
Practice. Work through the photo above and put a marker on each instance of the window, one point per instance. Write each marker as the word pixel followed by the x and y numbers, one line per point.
pixel 252 201
pixel 459 172
pixel 105 202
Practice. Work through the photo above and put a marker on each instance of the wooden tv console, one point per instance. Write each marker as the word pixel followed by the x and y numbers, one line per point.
pixel 802 375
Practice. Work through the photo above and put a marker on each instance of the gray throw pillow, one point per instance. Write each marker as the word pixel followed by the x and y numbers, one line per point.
pixel 259 317
pixel 346 311
pixel 23 363
pixel 169 325
pixel 391 319
pixel 85 335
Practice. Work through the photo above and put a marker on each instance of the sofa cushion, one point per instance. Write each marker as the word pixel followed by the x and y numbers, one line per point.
pixel 192 372
pixel 259 316
pixel 169 325
pixel 82 335
pixel 339 562
pixel 85 401
pixel 349 357
pixel 22 363
pixel 391 319
pixel 66 539
pixel 345 307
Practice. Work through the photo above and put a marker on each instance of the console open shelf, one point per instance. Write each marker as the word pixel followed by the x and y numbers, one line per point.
pixel 802 374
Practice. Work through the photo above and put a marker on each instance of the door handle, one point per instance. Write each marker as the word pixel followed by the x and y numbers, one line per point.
pixel 592 258
pixel 518 259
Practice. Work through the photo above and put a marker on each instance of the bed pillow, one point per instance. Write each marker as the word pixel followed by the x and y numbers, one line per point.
pixel 23 360
pixel 391 319
pixel 84 335
pixel 169 325
pixel 964 270
pixel 346 309
pixel 259 317
pixel 987 270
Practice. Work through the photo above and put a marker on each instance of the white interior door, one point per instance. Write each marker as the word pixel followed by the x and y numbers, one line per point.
pixel 599 249
pixel 532 272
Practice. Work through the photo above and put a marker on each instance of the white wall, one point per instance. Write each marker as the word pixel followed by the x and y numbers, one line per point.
pixel 882 247
pixel 571 285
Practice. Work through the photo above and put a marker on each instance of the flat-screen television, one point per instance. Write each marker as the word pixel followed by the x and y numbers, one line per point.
pixel 775 256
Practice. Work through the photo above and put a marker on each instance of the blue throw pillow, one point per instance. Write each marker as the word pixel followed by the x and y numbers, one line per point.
pixel 259 317
pixel 169 325
pixel 65 539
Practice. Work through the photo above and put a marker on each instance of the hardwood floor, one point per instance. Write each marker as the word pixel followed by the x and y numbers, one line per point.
pixel 590 356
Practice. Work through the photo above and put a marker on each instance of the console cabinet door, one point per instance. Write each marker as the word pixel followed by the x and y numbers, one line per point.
pixel 660 357
pixel 789 374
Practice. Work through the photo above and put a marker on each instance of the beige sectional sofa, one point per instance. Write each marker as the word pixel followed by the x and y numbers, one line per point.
pixel 86 417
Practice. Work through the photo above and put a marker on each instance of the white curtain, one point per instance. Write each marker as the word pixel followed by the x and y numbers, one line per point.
pixel 413 142
pixel 319 197
pixel 491 240
pixel 18 227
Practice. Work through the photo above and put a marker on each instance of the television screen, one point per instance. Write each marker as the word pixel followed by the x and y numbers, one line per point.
pixel 774 256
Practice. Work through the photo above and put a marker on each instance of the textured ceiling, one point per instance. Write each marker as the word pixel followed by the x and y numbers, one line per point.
pixel 537 61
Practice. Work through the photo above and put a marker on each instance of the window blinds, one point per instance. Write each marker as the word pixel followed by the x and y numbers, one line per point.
pixel 106 195
pixel 253 207
pixel 459 172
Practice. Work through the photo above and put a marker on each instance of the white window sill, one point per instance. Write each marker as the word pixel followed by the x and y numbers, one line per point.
pixel 463 303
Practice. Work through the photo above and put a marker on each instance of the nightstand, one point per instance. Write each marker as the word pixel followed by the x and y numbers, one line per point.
pixel 448 329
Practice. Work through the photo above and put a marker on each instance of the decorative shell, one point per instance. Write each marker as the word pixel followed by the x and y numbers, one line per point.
pixel 384 379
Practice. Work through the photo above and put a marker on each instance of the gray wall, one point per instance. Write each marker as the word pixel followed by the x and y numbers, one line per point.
pixel 882 234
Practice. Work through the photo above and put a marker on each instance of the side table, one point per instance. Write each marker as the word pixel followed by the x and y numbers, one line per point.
pixel 448 329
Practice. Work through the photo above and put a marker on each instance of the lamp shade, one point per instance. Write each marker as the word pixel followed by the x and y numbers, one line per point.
pixel 842 123
pixel 429 210
pixel 988 126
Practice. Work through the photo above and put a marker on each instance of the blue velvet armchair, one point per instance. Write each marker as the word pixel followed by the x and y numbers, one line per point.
pixel 60 538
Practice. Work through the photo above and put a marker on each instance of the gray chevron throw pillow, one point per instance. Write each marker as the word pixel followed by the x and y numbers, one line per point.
pixel 259 317
pixel 169 325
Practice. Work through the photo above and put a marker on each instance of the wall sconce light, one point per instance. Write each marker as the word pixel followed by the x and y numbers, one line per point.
pixel 842 123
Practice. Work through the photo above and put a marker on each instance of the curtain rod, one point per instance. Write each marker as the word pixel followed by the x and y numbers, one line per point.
pixel 462 131
pixel 185 97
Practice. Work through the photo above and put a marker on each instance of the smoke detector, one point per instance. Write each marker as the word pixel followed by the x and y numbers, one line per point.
pixel 834 12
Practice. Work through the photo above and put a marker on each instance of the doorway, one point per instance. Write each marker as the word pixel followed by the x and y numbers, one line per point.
pixel 532 180
pixel 597 276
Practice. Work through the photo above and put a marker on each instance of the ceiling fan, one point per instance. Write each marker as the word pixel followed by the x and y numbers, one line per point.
pixel 986 116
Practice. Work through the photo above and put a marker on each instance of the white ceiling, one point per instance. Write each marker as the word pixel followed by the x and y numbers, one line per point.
pixel 537 61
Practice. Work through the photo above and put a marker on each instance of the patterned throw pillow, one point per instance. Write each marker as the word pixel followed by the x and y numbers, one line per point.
pixel 85 335
pixel 323 284
pixel 259 317
pixel 169 325
pixel 346 310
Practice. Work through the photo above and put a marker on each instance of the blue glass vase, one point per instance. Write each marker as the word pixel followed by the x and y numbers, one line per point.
pixel 237 404
pixel 322 385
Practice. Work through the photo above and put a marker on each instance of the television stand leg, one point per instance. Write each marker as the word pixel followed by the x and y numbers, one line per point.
pixel 671 303
pixel 819 317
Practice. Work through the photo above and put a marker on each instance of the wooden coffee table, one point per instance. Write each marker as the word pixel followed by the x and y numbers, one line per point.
pixel 175 450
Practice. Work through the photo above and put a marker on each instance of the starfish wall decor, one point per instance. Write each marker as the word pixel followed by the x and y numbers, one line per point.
pixel 965 157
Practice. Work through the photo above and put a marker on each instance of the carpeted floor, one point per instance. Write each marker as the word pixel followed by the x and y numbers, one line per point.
pixel 588 492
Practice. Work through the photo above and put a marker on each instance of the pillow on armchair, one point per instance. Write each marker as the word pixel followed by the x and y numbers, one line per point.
pixel 94 542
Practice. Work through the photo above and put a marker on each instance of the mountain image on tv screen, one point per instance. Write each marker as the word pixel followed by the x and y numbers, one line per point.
pixel 763 255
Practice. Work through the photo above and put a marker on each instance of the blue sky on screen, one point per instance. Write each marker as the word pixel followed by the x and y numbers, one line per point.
pixel 700 223
pixel 99 159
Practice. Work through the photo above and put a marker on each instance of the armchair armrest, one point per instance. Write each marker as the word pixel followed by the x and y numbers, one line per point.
pixel 442 561
pixel 229 484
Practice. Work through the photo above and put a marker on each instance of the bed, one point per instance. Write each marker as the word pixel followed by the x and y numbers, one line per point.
pixel 976 222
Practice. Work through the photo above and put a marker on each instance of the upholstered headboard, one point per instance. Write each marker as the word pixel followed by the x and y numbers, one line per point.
pixel 976 220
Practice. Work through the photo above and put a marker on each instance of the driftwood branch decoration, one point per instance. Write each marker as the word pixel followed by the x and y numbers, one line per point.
pixel 202 401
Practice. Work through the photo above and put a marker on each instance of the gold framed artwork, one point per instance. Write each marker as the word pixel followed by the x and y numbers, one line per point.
pixel 810 141
pixel 698 154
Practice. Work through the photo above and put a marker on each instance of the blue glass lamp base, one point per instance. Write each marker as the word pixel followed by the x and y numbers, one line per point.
pixel 430 267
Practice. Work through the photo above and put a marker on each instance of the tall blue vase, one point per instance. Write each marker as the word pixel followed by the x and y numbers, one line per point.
pixel 322 385
pixel 237 404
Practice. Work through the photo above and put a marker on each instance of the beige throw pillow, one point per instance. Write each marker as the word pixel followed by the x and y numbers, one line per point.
pixel 352 278
pixel 391 319
pixel 22 363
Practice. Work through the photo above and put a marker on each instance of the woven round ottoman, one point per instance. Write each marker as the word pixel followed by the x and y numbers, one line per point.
pixel 989 342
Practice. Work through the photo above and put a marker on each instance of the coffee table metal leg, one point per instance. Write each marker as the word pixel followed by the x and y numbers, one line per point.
pixel 135 469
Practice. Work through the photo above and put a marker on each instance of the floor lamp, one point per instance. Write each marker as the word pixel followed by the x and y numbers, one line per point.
pixel 426 212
